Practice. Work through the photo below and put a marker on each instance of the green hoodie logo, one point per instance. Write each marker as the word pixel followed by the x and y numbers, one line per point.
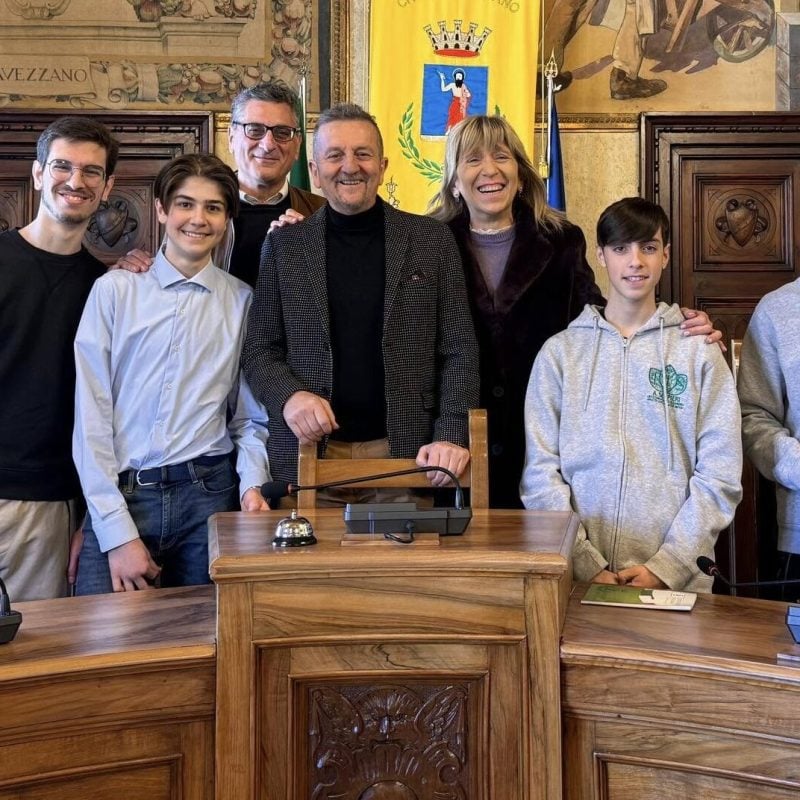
pixel 676 386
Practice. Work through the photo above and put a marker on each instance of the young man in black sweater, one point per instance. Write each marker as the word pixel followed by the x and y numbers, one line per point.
pixel 45 277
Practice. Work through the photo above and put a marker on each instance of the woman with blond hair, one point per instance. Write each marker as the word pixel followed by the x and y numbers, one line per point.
pixel 526 272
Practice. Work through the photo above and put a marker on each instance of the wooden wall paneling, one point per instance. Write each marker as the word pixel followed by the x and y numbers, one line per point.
pixel 147 141
pixel 731 186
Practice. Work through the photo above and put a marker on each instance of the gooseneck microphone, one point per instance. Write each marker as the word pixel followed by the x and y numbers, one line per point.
pixel 9 620
pixel 275 490
pixel 709 567
pixel 389 518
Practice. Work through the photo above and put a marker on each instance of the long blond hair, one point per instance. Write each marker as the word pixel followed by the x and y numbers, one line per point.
pixel 481 133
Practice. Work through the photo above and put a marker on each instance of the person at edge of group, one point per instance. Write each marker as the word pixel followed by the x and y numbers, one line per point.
pixel 264 138
pixel 770 396
pixel 157 361
pixel 526 272
pixel 632 426
pixel 359 335
pixel 45 278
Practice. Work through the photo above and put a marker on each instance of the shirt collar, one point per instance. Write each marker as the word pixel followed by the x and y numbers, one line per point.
pixel 270 201
pixel 167 275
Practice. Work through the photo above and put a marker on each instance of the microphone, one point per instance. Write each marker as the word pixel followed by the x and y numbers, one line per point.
pixel 708 567
pixel 388 518
pixel 275 490
pixel 9 620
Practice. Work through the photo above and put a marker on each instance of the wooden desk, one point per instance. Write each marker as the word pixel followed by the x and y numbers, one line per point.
pixel 669 705
pixel 400 671
pixel 110 697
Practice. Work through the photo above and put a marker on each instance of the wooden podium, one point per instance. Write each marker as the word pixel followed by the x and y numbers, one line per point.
pixel 390 672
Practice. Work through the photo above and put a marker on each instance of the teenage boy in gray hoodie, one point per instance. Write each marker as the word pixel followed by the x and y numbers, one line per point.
pixel 632 424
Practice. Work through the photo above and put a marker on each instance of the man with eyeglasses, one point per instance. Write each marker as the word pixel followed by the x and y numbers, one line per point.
pixel 265 140
pixel 45 278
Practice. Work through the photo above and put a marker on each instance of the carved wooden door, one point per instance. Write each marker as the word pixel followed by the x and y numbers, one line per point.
pixel 147 141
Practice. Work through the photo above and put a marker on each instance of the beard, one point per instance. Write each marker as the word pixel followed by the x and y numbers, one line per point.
pixel 459 82
pixel 66 215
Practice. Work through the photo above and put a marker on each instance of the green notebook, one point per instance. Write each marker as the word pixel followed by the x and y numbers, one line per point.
pixel 604 594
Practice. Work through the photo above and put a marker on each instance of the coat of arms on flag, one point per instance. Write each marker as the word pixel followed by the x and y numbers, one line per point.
pixel 435 62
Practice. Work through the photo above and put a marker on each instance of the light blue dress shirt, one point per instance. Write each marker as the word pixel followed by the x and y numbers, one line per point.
pixel 157 361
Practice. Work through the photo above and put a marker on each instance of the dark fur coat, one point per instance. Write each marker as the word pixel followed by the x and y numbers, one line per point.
pixel 546 284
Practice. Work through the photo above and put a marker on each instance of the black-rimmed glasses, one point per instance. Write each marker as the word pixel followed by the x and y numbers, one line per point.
pixel 257 131
pixel 62 170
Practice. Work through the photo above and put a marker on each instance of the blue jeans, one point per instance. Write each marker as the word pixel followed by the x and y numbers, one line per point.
pixel 172 520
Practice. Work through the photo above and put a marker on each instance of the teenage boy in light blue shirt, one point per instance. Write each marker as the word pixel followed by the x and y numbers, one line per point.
pixel 160 403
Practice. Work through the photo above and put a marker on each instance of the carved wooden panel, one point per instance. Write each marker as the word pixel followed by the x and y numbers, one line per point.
pixel 730 184
pixel 390 721
pixel 147 141
pixel 389 740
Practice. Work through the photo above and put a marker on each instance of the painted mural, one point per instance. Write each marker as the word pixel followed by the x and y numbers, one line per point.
pixel 150 54
pixel 623 56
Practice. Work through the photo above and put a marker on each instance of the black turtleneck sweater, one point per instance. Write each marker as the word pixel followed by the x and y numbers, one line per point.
pixel 249 229
pixel 356 271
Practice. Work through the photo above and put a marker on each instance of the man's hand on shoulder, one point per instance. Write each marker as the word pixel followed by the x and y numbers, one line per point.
pixel 443 454
pixel 132 567
pixel 134 261
pixel 289 217
pixel 309 416
pixel 639 575
pixel 698 323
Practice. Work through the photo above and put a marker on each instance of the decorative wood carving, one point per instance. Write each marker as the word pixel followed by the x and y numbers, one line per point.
pixel 742 221
pixel 398 742
pixel 147 141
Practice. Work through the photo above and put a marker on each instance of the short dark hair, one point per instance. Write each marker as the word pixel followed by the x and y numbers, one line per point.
pixel 79 129
pixel 347 112
pixel 632 219
pixel 265 92
pixel 201 165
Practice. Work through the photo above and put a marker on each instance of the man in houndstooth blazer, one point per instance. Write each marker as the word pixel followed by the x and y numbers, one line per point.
pixel 427 347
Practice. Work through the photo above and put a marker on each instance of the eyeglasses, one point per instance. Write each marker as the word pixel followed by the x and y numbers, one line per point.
pixel 62 170
pixel 256 131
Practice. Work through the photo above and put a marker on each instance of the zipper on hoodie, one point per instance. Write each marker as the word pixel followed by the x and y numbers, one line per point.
pixel 622 472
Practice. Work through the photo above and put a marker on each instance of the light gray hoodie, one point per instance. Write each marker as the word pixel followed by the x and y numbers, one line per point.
pixel 769 388
pixel 653 483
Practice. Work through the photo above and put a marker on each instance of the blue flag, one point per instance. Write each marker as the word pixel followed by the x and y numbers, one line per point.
pixel 556 196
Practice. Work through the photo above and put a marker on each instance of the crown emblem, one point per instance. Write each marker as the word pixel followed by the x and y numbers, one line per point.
pixel 458 43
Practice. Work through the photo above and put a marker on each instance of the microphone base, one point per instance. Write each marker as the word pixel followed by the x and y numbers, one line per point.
pixel 405 518
pixel 9 625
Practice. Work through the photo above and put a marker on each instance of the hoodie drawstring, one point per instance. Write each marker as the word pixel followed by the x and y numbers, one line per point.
pixel 595 350
pixel 667 431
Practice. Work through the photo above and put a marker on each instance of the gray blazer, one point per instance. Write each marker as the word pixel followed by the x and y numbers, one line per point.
pixel 429 350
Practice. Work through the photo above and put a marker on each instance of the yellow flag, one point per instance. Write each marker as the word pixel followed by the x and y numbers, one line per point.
pixel 433 62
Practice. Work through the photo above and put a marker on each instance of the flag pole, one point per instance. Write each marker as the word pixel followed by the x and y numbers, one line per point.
pixel 550 73
pixel 299 173
pixel 543 165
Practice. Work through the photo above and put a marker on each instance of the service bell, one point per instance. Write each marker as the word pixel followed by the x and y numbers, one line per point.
pixel 294 531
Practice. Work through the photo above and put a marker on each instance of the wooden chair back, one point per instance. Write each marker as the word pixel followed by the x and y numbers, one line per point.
pixel 313 470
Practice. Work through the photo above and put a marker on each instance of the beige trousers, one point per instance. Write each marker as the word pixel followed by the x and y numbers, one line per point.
pixel 34 547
